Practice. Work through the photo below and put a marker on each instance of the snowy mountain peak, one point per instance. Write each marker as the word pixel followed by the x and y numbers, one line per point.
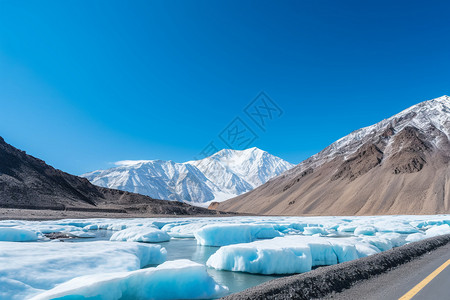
pixel 431 116
pixel 443 98
pixel 223 175
pixel 231 152
pixel 132 162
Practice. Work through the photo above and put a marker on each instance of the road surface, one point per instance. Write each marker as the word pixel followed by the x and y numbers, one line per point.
pixel 426 277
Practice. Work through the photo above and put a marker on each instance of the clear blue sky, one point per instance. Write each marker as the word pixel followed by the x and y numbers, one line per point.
pixel 87 83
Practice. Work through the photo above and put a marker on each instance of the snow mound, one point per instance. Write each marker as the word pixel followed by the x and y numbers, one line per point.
pixel 179 279
pixel 30 268
pixel 10 234
pixel 141 234
pixel 438 230
pixel 227 234
pixel 289 255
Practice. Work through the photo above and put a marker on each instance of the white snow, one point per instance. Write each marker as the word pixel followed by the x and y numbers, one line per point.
pixel 141 234
pixel 17 235
pixel 225 174
pixel 227 234
pixel 180 279
pixel 30 268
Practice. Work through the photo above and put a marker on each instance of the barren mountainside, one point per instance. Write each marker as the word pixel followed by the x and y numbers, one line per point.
pixel 28 182
pixel 397 166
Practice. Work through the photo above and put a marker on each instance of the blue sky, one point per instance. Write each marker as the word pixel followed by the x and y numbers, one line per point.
pixel 87 83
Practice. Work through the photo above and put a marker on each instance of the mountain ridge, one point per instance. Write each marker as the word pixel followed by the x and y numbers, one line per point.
pixel 220 176
pixel 396 166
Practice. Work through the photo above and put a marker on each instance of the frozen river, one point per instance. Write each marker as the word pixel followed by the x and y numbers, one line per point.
pixel 186 258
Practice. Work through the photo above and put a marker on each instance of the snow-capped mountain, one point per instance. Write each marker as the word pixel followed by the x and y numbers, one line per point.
pixel 223 175
pixel 428 116
pixel 399 165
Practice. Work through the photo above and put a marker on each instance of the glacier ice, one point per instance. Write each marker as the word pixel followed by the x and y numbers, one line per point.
pixel 415 237
pixel 179 279
pixel 312 230
pixel 438 230
pixel 272 245
pixel 11 234
pixel 141 234
pixel 183 230
pixel 29 268
pixel 365 230
pixel 227 234
pixel 289 255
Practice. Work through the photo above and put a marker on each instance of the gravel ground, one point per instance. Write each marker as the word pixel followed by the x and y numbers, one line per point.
pixel 40 215
pixel 326 281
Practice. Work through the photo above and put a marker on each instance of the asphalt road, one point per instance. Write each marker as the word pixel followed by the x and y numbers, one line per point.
pixel 401 280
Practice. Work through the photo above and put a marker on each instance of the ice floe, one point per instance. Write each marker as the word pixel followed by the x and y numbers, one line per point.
pixel 227 234
pixel 179 279
pixel 289 255
pixel 141 234
pixel 11 234
pixel 28 268
pixel 438 230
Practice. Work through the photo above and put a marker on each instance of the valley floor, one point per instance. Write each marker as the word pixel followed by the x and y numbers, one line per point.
pixel 35 214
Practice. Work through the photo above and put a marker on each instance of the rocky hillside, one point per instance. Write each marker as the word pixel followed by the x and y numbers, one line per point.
pixel 397 166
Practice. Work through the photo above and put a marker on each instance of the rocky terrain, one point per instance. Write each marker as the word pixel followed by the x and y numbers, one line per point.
pixel 397 166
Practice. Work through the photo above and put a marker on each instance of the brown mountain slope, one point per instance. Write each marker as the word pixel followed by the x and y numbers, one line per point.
pixel 28 182
pixel 398 166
